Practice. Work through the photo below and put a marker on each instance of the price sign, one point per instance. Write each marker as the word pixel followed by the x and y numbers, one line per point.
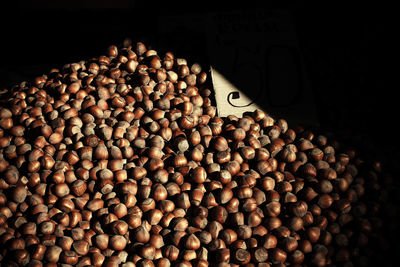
pixel 255 63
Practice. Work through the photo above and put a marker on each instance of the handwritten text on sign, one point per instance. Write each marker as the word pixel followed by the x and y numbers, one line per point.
pixel 255 62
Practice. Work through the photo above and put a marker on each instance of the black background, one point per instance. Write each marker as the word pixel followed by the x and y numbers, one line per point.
pixel 348 50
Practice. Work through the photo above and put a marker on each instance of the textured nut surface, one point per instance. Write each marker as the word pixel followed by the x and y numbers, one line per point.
pixel 121 160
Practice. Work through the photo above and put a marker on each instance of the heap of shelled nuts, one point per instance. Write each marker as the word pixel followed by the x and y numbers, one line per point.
pixel 121 160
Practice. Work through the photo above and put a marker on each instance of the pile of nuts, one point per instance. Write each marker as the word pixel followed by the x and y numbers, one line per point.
pixel 121 160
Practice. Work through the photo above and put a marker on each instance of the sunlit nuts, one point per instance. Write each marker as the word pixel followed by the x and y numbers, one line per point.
pixel 225 196
pixel 241 256
pixel 305 246
pixel 295 223
pixel 296 257
pixel 308 193
pixel 95 204
pixel 272 209
pixel 61 190
pixel 299 208
pixel 196 197
pixel 181 144
pixel 81 247
pixel 97 258
pixel 238 134
pixel 315 210
pixel 101 152
pixel 289 197
pixel 166 206
pixel 223 255
pixel 199 175
pixel 171 252
pixel 219 214
pixel 128 164
pixel 248 152
pixel 149 204
pixel 268 183
pixel 260 254
pixel 69 257
pixel 29 228
pixel 16 244
pixel 55 138
pixel 186 108
pixel 244 231
pixel 264 167
pixel 233 167
pixel 308 170
pixel 179 224
pixel 154 216
pixel 147 252
pixel 19 194
pixel 273 223
pixel 222 157
pixel 6 123
pixel 138 172
pixel 155 152
pixel 340 184
pixel 120 210
pixel 180 160
pixel 228 236
pixel 72 157
pixel 289 244
pixel 316 154
pixel 157 241
pixel 131 65
pixel 182 201
pixel 119 227
pixel 101 241
pixel 249 205
pixel 77 233
pixel 52 254
pixel 196 155
pixel 313 234
pixel 74 218
pixel 220 143
pixel 192 242
pixel 253 219
pixel 324 186
pixel 278 255
pixel 141 235
pixel 47 227
pixel 261 154
pixel 288 153
pixel 117 242
pixel 252 242
pixel 244 192
pixel 38 251
pixel 158 191
pixel 47 162
pixel 325 201
pixel 308 219
pixel 78 187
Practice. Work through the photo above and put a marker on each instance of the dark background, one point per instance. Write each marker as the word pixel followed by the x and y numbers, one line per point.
pixel 348 50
